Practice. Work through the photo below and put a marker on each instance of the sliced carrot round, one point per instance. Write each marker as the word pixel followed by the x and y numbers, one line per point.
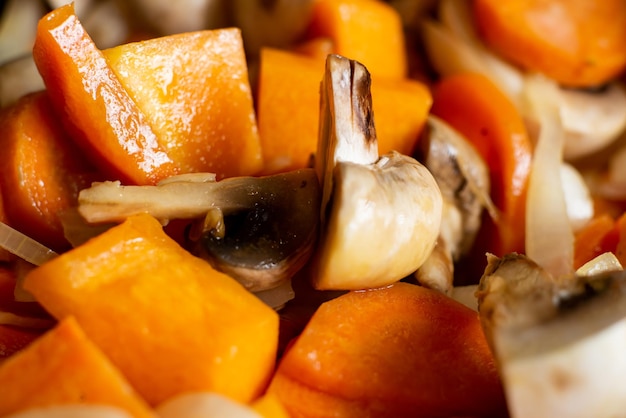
pixel 578 43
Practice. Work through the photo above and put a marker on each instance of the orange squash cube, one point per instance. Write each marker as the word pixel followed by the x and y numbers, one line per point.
pixel 64 367
pixel 399 351
pixel 288 109
pixel 165 318
pixel 96 108
pixel 195 93
pixel 368 31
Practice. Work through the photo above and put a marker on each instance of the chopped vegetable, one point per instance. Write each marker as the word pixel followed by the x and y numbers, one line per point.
pixel 288 109
pixel 194 92
pixel 374 208
pixel 97 110
pixel 549 233
pixel 390 352
pixel 142 300
pixel 476 108
pixel 576 43
pixel 65 367
pixel 558 342
pixel 42 168
pixel 368 31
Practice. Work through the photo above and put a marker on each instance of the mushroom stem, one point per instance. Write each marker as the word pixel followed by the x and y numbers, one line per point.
pixel 258 230
pixel 188 196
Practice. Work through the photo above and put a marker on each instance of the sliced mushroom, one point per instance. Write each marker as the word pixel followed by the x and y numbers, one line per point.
pixel 463 179
pixel 259 230
pixel 559 344
pixel 462 176
pixel 380 215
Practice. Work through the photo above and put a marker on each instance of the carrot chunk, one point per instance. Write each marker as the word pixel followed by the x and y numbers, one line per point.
pixel 193 89
pixel 42 170
pixel 64 367
pixel 576 42
pixel 166 319
pixel 369 31
pixel 475 107
pixel 96 108
pixel 403 350
pixel 288 109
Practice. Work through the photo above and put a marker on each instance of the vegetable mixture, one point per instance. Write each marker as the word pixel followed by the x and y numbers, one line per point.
pixel 312 208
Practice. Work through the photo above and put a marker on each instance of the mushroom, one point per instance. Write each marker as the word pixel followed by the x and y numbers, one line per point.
pixel 259 230
pixel 559 344
pixel 463 178
pixel 380 216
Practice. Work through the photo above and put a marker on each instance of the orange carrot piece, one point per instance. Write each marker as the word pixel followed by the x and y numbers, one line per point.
pixel 476 108
pixel 598 236
pixel 42 170
pixel 193 89
pixel 400 109
pixel 64 367
pixel 403 350
pixel 288 110
pixel 576 42
pixel 369 31
pixel 166 319
pixel 97 110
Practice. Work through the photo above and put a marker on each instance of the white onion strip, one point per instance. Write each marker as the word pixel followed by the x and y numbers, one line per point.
pixel 549 235
pixel 23 246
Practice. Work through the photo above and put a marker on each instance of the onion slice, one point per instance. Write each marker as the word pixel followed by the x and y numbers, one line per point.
pixel 72 411
pixel 203 404
pixel 23 246
pixel 549 234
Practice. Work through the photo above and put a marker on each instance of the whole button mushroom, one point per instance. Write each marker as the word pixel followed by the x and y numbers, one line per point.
pixel 381 215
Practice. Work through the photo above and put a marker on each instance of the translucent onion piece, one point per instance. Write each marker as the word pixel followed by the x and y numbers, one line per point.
pixel 23 246
pixel 203 404
pixel 604 263
pixel 549 235
pixel 277 297
pixel 453 47
pixel 466 295
pixel 72 411
pixel 9 318
pixel 578 200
